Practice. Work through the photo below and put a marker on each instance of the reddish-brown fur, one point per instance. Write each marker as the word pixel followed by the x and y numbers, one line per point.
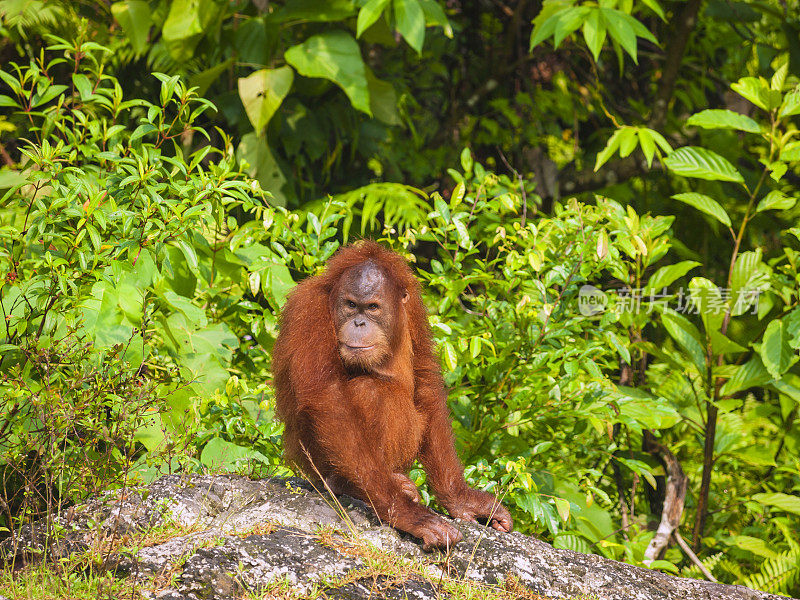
pixel 361 432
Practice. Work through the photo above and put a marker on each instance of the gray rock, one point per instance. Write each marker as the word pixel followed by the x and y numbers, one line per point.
pixel 235 535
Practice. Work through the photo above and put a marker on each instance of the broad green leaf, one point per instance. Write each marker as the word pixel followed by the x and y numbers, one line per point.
pixel 434 15
pixel 655 7
pixel 784 502
pixel 721 344
pixel 776 353
pixel 705 204
pixel 189 254
pixel 314 11
pixel 779 78
pixel 750 374
pixel 627 141
pixel 611 146
pixel 562 506
pixel 450 356
pixel 462 234
pixel 263 167
pixel 666 275
pixel 714 118
pixel 754 545
pixel 186 24
pixel 648 145
pixel 441 207
pixel 793 328
pixel 775 200
pixel 748 277
pixel 753 89
pixel 790 152
pixel 50 93
pixel 621 30
pixel 225 455
pixel 544 25
pixel 458 194
pixel 203 80
pixel 333 55
pixel 382 100
pixel 693 161
pixel 467 161
pixel 707 300
pixel 368 14
pixel 262 93
pixel 791 104
pixel 135 18
pixel 569 21
pixel 410 22
pixel 594 32
pixel 687 336
pixel 641 410
pixel 278 282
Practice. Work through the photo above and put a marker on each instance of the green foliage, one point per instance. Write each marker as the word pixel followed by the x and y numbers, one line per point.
pixel 588 286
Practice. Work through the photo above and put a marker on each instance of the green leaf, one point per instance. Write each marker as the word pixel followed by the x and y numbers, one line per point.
pixel 458 194
pixel 707 298
pixel 784 502
pixel 568 22
pixel 262 93
pixel 450 356
pixel 441 207
pixel 775 200
pixel 334 55
pixel 611 146
pixel 189 254
pixel 748 277
pixel 693 161
pixel 753 89
pixel 713 118
pixel 627 141
pixel 562 506
pixel 222 454
pixel 775 351
pixel 83 85
pixel 462 234
pixel 793 328
pixel 135 18
pixel 278 281
pixel 410 21
pixel 186 24
pixel 687 336
pixel 545 23
pixel 466 160
pixel 655 7
pixel 50 93
pixel 721 344
pixel 750 374
pixel 705 204
pixel 621 30
pixel 779 78
pixel 141 131
pixel 754 545
pixel 368 14
pixel 594 32
pixel 382 100
pixel 791 104
pixel 666 275
pixel 263 166
pixel 648 145
pixel 315 11
pixel 434 15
